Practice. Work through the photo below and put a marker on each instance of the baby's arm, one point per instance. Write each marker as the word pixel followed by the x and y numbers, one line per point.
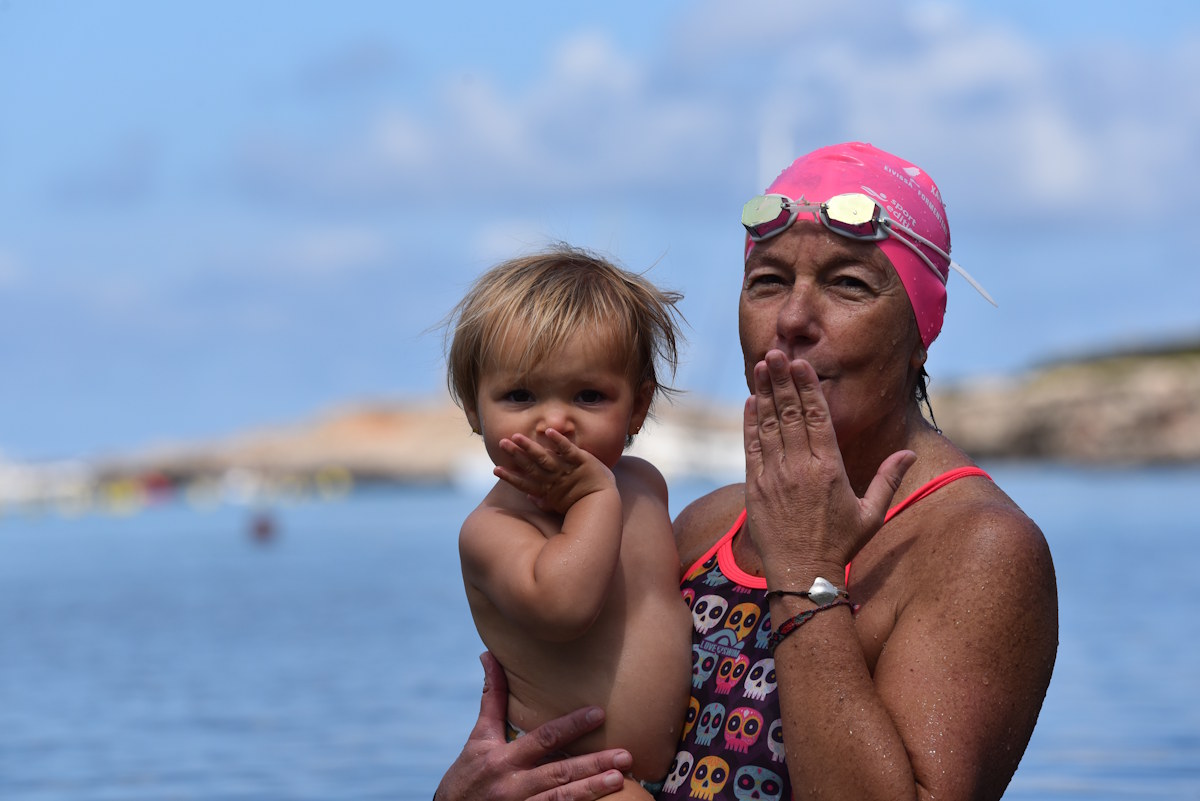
pixel 552 586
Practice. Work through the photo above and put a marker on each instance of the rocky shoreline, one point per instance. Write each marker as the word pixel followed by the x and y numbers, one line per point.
pixel 1120 409
pixel 1136 408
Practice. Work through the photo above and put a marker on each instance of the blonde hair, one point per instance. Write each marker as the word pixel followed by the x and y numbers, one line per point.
pixel 549 296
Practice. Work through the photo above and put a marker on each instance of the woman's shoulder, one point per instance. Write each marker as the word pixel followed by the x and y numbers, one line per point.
pixel 997 525
pixel 705 519
pixel 977 531
pixel 954 491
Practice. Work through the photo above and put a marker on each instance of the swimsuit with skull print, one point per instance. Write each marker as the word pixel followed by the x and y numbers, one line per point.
pixel 732 745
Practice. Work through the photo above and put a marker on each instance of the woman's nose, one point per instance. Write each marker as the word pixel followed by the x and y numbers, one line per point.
pixel 797 317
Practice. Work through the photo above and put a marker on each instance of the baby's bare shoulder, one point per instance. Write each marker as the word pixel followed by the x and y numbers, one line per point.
pixel 635 474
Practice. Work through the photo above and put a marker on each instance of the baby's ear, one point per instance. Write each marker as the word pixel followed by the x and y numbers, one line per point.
pixel 472 418
pixel 641 406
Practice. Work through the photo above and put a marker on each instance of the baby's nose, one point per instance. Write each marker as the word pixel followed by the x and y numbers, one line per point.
pixel 558 417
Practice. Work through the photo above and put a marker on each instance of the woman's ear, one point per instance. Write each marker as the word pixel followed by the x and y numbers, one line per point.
pixel 919 355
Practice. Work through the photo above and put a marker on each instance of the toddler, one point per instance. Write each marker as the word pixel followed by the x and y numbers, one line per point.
pixel 569 562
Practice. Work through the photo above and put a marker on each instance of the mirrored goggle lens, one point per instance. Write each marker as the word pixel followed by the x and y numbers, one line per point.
pixel 854 215
pixel 765 215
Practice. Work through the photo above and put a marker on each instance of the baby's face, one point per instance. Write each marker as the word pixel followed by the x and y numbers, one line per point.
pixel 582 389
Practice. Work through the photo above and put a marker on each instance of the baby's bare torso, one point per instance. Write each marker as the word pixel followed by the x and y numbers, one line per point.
pixel 634 660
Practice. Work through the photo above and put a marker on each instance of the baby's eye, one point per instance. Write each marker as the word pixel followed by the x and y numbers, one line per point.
pixel 591 396
pixel 518 396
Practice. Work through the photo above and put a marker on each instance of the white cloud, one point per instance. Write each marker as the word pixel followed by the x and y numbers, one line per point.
pixel 721 103
pixel 590 59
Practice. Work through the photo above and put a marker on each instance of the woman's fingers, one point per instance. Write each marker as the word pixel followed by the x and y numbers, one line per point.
pixel 545 741
pixel 767 408
pixel 791 408
pixel 553 736
pixel 750 438
pixel 530 767
pixel 814 423
pixel 493 705
pixel 578 778
pixel 883 486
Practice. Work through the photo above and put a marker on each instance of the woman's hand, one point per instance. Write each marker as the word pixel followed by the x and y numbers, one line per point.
pixel 805 518
pixel 491 769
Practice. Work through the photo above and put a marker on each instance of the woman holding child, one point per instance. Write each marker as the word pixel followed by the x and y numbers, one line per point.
pixel 912 642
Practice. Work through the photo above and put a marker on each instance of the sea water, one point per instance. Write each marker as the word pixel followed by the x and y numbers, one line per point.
pixel 174 654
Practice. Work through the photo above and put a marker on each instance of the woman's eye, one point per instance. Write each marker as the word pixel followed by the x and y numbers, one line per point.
pixel 763 281
pixel 850 282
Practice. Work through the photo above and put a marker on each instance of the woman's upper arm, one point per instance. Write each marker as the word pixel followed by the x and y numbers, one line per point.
pixel 966 667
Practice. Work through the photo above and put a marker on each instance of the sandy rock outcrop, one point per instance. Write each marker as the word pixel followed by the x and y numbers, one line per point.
pixel 1133 409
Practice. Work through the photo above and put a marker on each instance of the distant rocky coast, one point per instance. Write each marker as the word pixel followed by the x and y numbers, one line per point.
pixel 1128 408
pixel 1138 407
pixel 1122 409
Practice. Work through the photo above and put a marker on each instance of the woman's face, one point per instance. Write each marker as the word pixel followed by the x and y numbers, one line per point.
pixel 839 305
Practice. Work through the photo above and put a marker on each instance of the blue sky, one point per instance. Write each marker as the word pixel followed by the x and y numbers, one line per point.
pixel 220 215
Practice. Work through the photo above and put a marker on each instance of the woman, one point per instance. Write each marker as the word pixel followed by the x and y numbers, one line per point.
pixel 911 653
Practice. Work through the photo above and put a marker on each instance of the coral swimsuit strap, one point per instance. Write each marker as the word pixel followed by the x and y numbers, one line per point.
pixel 932 486
pixel 724 546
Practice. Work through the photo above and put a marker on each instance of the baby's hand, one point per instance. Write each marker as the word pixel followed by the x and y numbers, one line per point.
pixel 554 478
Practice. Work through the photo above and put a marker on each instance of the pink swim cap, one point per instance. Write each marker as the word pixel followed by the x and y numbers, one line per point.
pixel 910 197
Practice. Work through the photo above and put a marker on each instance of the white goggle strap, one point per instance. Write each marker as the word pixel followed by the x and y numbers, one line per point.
pixel 953 264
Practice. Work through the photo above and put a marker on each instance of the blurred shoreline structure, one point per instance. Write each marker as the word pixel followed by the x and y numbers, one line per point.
pixel 1129 409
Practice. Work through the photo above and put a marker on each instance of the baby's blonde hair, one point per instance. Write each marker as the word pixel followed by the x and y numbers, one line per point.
pixel 546 298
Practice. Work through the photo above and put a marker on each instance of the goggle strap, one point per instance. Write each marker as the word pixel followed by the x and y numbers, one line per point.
pixel 903 240
pixel 953 264
pixel 893 224
pixel 958 269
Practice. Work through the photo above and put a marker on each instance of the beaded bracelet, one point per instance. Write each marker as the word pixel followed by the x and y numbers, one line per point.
pixel 799 620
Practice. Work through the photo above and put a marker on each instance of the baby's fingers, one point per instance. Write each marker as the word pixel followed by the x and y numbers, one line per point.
pixel 568 452
pixel 520 480
pixel 521 446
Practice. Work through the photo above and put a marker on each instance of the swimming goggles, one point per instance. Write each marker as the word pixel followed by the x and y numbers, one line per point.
pixel 852 215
